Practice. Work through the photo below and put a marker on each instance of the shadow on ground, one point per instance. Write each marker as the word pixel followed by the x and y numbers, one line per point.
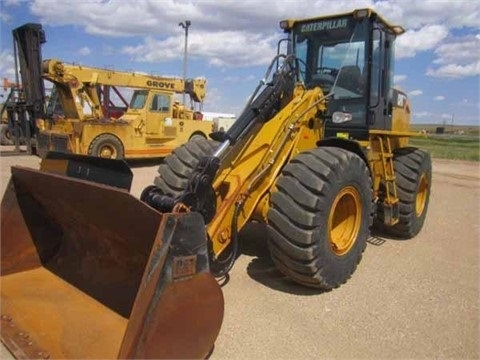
pixel 253 242
pixel 144 162
pixel 13 152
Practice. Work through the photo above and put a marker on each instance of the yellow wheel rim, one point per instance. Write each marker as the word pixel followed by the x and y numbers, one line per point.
pixel 344 220
pixel 422 194
pixel 108 152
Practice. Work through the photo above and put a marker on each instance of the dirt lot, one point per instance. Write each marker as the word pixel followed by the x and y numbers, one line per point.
pixel 407 299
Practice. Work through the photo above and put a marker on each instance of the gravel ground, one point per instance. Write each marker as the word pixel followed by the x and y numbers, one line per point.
pixel 408 299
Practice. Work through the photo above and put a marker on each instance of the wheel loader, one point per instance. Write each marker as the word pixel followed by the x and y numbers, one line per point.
pixel 319 155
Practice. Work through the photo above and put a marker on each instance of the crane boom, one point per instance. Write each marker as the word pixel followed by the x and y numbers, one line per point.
pixel 60 72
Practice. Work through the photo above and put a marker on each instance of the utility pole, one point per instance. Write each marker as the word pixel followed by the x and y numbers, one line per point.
pixel 185 25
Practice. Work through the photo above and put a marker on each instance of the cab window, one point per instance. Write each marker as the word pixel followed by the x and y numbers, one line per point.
pixel 160 102
pixel 138 99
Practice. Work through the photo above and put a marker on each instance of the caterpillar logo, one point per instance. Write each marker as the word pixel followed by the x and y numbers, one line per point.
pixel 160 84
pixel 325 25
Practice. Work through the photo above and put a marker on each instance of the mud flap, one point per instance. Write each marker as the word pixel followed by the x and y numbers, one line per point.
pixel 89 271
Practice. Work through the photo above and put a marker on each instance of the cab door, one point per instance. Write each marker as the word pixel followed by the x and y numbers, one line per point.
pixel 159 110
pixel 381 79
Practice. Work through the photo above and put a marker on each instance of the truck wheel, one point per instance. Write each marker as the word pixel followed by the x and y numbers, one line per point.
pixel 5 135
pixel 175 171
pixel 413 170
pixel 106 146
pixel 319 217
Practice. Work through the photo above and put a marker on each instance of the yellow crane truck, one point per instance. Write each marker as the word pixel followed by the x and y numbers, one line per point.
pixel 319 155
pixel 152 126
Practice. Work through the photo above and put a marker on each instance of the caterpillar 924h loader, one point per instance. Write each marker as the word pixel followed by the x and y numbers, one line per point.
pixel 320 155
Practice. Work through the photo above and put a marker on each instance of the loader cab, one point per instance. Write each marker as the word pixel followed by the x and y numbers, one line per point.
pixel 350 57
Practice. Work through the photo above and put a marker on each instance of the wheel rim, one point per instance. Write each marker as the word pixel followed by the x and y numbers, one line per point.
pixel 421 198
pixel 344 220
pixel 107 151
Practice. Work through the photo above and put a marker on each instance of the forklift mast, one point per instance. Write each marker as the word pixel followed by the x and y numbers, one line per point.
pixel 29 102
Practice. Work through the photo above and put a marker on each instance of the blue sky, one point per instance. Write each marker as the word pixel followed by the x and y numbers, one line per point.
pixel 231 42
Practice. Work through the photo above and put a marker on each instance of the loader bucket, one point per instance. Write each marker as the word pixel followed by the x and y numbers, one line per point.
pixel 89 271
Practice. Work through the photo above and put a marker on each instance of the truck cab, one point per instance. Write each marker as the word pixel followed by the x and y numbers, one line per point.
pixel 152 111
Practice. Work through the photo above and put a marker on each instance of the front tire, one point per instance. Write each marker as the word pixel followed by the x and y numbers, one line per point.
pixel 175 171
pixel 106 146
pixel 320 216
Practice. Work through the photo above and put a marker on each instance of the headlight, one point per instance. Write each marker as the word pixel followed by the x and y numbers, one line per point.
pixel 339 117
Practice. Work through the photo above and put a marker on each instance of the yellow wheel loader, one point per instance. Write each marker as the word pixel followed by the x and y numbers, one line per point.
pixel 320 155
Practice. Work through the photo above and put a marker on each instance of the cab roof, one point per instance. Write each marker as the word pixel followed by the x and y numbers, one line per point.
pixel 288 24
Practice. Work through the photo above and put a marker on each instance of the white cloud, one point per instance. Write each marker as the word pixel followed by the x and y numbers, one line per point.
pixel 115 17
pixel 240 33
pixel 4 17
pixel 248 29
pixel 458 50
pixel 453 13
pixel 153 49
pixel 161 17
pixel 425 38
pixel 415 92
pixel 439 98
pixel 455 71
pixel 7 65
pixel 213 47
pixel 399 78
pixel 225 33
pixel 457 58
pixel 84 51
pixel 7 69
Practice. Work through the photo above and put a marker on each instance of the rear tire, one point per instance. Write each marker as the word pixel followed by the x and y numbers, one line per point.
pixel 320 216
pixel 5 135
pixel 175 171
pixel 106 146
pixel 413 170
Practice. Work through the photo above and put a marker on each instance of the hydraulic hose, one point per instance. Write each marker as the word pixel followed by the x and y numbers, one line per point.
pixel 262 107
